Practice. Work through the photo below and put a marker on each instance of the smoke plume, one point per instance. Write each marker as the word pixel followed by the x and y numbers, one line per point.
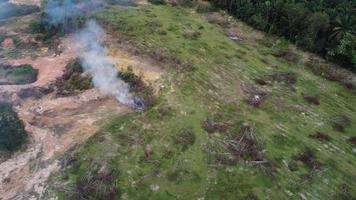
pixel 94 58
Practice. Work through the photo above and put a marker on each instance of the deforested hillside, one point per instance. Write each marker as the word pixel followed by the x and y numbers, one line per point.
pixel 240 116
pixel 174 100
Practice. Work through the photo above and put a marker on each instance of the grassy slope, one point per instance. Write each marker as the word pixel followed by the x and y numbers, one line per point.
pixel 283 122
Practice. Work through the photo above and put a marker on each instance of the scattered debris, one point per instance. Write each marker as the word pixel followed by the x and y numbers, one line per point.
pixel 234 147
pixel 211 126
pixel 312 99
pixel 287 54
pixel 185 138
pixel 255 95
pixel 320 136
pixel 260 81
pixel 289 78
pixel 340 122
pixel 308 157
pixel 97 184
pixel 236 38
pixel 352 140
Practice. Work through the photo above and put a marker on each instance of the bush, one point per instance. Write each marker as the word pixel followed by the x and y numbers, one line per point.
pixel 12 130
pixel 74 79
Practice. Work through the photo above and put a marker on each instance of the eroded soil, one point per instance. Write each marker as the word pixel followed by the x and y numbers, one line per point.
pixel 57 124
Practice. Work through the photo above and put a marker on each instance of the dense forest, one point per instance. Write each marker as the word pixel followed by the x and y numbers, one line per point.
pixel 326 27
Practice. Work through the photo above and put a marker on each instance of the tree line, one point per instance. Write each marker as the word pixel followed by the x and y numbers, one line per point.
pixel 325 27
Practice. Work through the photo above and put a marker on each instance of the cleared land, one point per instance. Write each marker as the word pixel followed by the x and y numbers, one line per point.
pixel 233 119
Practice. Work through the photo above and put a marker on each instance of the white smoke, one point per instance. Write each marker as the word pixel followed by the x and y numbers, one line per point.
pixel 95 60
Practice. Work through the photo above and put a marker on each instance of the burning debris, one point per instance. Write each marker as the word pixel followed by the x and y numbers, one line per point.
pixel 138 103
pixel 95 60
pixel 255 95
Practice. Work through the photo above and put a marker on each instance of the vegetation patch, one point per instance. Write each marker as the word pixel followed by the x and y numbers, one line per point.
pixel 12 130
pixel 17 75
pixel 74 79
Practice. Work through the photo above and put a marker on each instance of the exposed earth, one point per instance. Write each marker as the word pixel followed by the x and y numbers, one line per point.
pixel 57 124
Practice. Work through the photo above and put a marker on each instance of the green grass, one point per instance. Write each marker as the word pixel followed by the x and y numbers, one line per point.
pixel 22 74
pixel 214 88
